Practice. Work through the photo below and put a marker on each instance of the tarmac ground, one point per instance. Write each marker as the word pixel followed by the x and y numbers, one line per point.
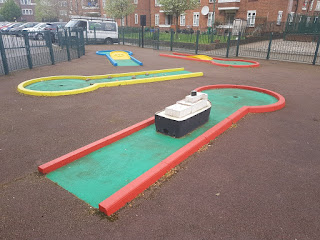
pixel 258 180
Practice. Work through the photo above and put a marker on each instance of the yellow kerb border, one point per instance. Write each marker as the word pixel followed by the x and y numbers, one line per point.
pixel 22 89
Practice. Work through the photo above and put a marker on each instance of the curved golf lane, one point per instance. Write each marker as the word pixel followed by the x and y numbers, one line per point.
pixel 98 175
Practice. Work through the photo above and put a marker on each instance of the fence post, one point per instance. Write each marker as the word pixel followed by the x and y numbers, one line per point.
pixel 3 56
pixel 87 41
pixel 82 41
pixel 49 45
pixel 158 40
pixel 238 44
pixel 316 52
pixel 78 44
pixel 171 39
pixel 228 45
pixel 27 44
pixel 269 47
pixel 122 35
pixel 139 37
pixel 197 41
pixel 67 44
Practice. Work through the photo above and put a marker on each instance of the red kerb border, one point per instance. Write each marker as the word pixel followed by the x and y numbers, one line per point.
pixel 137 186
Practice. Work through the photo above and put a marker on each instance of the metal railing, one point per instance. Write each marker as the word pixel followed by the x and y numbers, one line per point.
pixel 266 41
pixel 21 50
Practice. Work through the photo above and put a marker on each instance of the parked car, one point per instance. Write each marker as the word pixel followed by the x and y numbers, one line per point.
pixel 22 26
pixel 101 29
pixel 53 28
pixel 7 29
pixel 35 32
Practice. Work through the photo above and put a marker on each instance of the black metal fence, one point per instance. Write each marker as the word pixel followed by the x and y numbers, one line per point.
pixel 21 50
pixel 264 41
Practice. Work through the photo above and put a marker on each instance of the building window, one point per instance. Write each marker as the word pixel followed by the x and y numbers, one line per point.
pixel 136 19
pixel 156 3
pixel 311 6
pixel 63 12
pixel 135 1
pixel 211 1
pixel 63 4
pixel 196 19
pixel 279 18
pixel 304 5
pixel 25 2
pixel 210 18
pixel 318 6
pixel 251 18
pixel 122 21
pixel 156 19
pixel 182 20
pixel 291 17
pixel 230 17
pixel 27 12
pixel 168 20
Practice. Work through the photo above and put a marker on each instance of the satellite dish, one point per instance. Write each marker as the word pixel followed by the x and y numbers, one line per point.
pixel 205 10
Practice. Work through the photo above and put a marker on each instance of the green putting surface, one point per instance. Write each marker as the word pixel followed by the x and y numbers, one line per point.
pixel 126 63
pixel 71 84
pixel 233 62
pixel 98 175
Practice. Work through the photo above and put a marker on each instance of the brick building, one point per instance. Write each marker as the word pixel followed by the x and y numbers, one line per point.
pixel 224 12
pixel 27 9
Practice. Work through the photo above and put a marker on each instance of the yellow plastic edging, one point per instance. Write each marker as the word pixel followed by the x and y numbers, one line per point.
pixel 22 89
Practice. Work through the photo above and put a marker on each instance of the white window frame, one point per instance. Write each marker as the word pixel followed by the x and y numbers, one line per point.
pixel 291 17
pixel 304 5
pixel 135 1
pixel 27 12
pixel 210 19
pixel 157 4
pixel 182 20
pixel 63 12
pixel 317 6
pixel 156 19
pixel 136 18
pixel 311 6
pixel 122 21
pixel 251 17
pixel 196 19
pixel 279 17
pixel 25 2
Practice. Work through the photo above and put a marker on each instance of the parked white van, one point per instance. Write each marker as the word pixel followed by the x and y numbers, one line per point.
pixel 102 29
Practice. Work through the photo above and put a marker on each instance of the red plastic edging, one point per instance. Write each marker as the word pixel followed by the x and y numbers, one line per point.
pixel 72 156
pixel 137 186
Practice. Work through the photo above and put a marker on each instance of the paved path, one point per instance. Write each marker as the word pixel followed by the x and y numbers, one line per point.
pixel 258 180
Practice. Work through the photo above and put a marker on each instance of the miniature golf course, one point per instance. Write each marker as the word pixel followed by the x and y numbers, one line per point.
pixel 120 58
pixel 236 63
pixel 68 85
pixel 112 171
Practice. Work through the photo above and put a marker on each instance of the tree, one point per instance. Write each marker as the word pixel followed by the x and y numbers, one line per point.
pixel 118 9
pixel 10 11
pixel 47 10
pixel 177 7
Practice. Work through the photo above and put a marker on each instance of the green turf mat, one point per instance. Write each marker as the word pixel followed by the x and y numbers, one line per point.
pixel 233 62
pixel 95 177
pixel 71 84
pixel 126 63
